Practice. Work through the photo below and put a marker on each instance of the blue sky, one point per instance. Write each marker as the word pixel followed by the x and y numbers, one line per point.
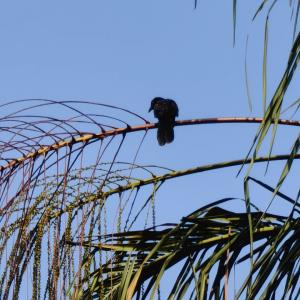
pixel 125 53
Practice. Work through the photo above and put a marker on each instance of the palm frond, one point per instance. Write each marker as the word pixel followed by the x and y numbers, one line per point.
pixel 202 240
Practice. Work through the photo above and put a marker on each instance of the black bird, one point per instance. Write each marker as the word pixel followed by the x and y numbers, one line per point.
pixel 165 110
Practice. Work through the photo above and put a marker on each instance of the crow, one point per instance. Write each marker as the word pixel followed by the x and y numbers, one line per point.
pixel 165 110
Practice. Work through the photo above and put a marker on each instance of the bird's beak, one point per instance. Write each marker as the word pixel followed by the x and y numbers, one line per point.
pixel 151 108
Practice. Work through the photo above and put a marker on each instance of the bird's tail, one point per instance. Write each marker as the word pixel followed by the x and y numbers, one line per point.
pixel 165 134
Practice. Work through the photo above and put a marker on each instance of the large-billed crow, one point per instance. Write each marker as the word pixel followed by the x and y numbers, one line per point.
pixel 165 110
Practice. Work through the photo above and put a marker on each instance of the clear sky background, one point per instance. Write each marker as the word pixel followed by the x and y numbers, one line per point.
pixel 125 53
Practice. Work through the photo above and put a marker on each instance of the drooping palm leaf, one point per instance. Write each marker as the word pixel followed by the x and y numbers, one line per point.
pixel 206 238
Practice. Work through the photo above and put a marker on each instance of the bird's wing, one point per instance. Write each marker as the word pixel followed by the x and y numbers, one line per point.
pixel 174 107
